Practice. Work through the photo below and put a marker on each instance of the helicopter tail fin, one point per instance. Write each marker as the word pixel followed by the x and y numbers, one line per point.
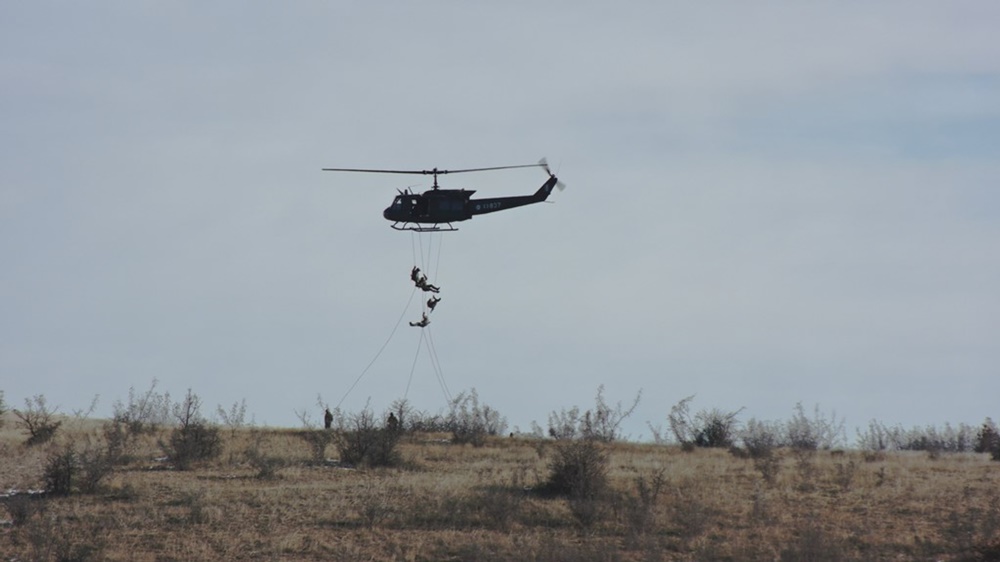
pixel 543 192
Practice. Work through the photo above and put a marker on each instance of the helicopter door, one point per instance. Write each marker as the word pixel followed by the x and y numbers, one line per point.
pixel 419 206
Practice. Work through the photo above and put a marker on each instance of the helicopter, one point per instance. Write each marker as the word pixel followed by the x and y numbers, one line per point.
pixel 436 209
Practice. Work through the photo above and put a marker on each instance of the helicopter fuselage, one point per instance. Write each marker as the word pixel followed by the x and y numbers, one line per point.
pixel 444 206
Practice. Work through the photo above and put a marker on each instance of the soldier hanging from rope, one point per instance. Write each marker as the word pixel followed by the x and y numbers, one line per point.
pixel 420 280
pixel 423 322
pixel 432 302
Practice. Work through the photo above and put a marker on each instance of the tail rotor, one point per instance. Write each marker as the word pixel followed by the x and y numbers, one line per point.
pixel 545 166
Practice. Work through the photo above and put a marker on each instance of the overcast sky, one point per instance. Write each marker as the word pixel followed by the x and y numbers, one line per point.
pixel 768 203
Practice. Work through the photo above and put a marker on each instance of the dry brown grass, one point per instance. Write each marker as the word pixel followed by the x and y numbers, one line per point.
pixel 452 502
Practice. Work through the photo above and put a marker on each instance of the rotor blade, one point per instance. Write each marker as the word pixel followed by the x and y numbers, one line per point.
pixel 545 164
pixel 377 171
pixel 488 169
pixel 435 171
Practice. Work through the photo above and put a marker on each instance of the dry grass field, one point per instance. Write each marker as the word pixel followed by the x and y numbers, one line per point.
pixel 458 502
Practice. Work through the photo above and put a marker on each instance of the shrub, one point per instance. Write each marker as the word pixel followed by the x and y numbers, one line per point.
pixel 38 419
pixel 579 469
pixel 715 428
pixel 760 440
pixel 603 423
pixel 60 467
pixel 143 413
pixel 471 422
pixel 361 440
pixel 988 439
pixel 65 470
pixel 118 440
pixel 564 424
pixel 816 433
pixel 708 428
pixel 94 465
pixel 194 439
pixel 235 417
pixel 875 439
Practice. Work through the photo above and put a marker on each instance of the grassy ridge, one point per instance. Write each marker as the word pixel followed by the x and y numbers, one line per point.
pixel 458 502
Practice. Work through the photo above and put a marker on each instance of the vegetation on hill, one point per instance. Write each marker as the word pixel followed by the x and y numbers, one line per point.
pixel 148 485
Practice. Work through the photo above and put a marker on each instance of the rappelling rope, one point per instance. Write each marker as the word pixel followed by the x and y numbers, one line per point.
pixel 432 352
pixel 436 363
pixel 425 258
pixel 381 349
pixel 413 367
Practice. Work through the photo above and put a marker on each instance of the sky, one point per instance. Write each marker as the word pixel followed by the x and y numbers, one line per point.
pixel 767 204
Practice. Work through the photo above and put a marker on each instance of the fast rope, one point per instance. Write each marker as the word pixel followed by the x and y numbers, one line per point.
pixel 425 339
pixel 381 349
pixel 436 363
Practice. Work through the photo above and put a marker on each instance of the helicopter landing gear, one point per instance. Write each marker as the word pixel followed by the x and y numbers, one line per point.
pixel 417 227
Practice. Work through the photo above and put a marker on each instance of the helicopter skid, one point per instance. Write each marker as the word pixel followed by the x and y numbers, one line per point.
pixel 415 227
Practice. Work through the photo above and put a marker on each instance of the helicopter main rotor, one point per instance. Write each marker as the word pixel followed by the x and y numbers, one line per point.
pixel 436 172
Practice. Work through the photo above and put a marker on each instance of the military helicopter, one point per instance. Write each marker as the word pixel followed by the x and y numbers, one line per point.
pixel 428 211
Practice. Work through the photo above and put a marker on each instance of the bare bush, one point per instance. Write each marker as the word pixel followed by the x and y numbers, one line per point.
pixel 988 439
pixel 579 472
pixel 707 428
pixel 60 468
pixel 760 439
pixel 681 423
pixel 143 413
pixel 317 440
pixel 716 428
pixel 362 440
pixel 472 422
pixel 235 417
pixel 760 442
pixel 934 440
pixel 410 420
pixel 602 423
pixel 403 411
pixel 39 419
pixel 422 422
pixel 95 465
pixel 194 439
pixel 579 468
pixel 67 471
pixel 564 424
pixel 816 433
pixel 876 439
